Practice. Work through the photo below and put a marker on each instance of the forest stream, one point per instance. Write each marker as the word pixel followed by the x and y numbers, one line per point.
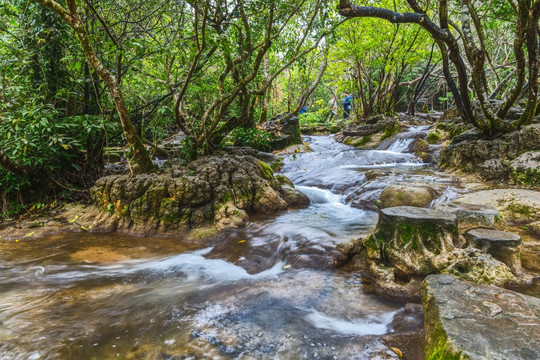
pixel 258 295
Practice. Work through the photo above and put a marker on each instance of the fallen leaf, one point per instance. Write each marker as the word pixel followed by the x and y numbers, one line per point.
pixel 287 266
pixel 397 351
pixel 17 240
pixel 31 233
pixel 242 241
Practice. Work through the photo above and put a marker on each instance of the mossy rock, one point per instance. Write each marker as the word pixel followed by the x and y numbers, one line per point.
pixel 434 137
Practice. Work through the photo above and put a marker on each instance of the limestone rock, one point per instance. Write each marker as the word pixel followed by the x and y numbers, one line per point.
pixel 478 322
pixel 516 206
pixel 470 216
pixel 525 169
pixel 294 149
pixel 400 249
pixel 503 246
pixel 471 153
pixel 215 191
pixel 294 197
pixel 534 228
pixel 399 195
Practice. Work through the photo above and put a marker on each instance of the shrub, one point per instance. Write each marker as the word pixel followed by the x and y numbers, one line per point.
pixel 245 136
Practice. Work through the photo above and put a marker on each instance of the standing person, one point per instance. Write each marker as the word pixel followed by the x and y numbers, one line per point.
pixel 333 108
pixel 347 106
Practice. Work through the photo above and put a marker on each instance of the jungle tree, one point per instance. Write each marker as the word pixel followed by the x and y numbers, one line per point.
pixel 461 29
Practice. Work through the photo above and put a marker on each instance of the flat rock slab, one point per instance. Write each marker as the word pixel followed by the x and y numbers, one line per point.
pixel 517 206
pixel 479 321
pixel 500 238
pixel 412 213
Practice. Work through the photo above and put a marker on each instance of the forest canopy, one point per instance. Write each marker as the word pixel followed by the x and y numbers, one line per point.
pixel 78 78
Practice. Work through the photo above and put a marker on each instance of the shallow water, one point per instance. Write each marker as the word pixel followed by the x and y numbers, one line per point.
pixel 258 295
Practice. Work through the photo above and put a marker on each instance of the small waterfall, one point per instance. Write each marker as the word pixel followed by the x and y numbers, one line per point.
pixel 400 145
pixel 402 141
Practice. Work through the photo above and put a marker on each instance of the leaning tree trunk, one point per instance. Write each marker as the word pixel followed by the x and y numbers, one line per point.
pixel 140 155
pixel 10 165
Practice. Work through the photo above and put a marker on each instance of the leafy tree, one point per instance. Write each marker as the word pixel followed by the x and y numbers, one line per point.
pixel 454 22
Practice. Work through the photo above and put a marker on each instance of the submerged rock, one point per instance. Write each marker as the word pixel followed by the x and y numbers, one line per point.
pixel 466 320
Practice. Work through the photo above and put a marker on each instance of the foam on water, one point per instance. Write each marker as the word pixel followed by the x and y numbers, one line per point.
pixel 375 325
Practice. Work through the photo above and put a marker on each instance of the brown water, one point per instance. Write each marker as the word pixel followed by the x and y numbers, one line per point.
pixel 259 296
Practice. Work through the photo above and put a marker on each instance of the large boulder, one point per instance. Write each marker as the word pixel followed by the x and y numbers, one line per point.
pixel 410 243
pixel 525 169
pixel 400 195
pixel 402 246
pixel 470 321
pixel 471 152
pixel 218 191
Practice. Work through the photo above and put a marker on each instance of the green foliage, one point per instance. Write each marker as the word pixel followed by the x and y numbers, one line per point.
pixel 255 138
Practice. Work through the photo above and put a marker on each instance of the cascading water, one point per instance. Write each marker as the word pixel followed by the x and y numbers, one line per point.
pixel 256 294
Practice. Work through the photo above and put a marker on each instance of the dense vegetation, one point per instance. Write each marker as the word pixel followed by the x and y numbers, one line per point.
pixel 78 77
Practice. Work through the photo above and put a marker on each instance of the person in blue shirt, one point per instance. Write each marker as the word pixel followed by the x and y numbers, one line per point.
pixel 347 105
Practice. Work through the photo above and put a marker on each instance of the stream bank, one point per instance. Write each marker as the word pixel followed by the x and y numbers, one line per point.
pixel 272 288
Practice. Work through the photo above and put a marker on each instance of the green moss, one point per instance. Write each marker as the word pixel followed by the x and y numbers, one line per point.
pixel 266 171
pixel 519 208
pixel 434 137
pixel 363 141
pixel 389 131
pixel 442 351
pixel 530 177
pixel 406 231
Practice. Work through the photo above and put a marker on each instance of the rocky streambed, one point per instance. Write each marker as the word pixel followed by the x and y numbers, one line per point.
pixel 304 282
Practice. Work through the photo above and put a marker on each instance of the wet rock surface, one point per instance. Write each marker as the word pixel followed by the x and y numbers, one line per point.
pixel 479 321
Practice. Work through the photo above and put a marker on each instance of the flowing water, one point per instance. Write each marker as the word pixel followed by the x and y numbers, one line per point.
pixel 266 291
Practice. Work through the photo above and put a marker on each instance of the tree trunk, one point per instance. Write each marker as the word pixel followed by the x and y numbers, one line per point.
pixel 140 155
pixel 11 166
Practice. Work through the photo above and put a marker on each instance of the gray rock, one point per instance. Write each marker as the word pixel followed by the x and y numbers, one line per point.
pixel 470 152
pixel 503 246
pixel 410 243
pixel 493 169
pixel 525 169
pixel 402 246
pixel 470 216
pixel 479 322
pixel 216 191
pixel 294 197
